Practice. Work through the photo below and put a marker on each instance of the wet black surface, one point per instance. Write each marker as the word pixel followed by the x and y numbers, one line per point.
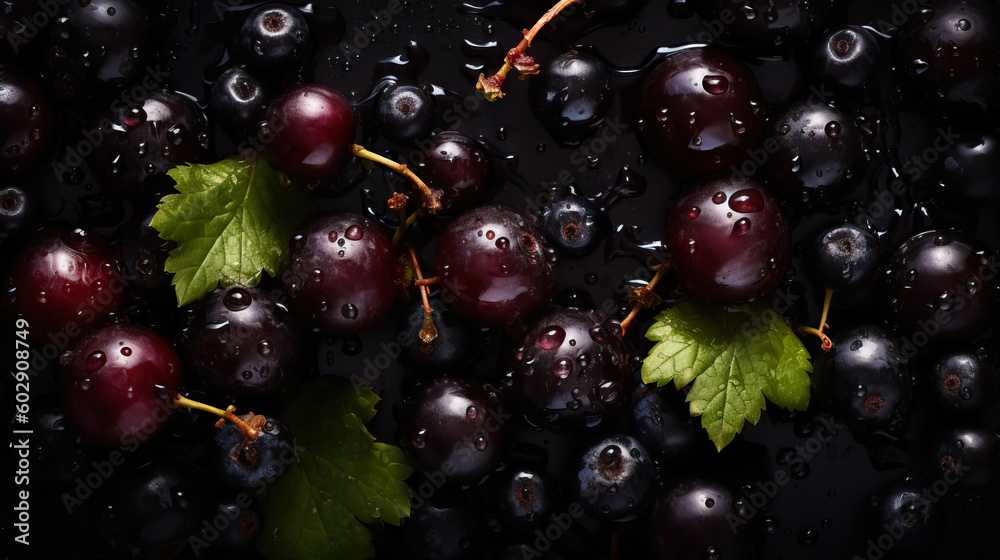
pixel 820 510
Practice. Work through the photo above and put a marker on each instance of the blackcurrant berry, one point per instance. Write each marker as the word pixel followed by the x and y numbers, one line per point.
pixel 460 168
pixel 866 378
pixel 275 36
pixel 493 267
pixel 614 478
pixel 243 342
pixel 967 457
pixel 964 381
pixel 119 383
pixel 340 273
pixel 571 367
pixel 405 113
pixel 309 131
pixel 525 496
pixel 846 58
pixel 660 421
pixel 573 224
pixel 453 344
pixel 252 463
pixel 818 154
pixel 729 240
pixel 690 518
pixel 63 283
pixel 571 96
pixel 845 257
pixel 239 101
pixel 700 111
pixel 453 426
pixel 939 288
pixel 29 122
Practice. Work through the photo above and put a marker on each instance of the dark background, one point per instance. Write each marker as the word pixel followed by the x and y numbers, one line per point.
pixel 820 515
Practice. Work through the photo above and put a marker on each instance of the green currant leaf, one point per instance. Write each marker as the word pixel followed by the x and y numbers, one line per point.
pixel 341 478
pixel 231 221
pixel 734 358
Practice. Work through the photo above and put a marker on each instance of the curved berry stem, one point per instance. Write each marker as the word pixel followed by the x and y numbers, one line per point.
pixel 516 58
pixel 826 344
pixel 227 414
pixel 646 290
pixel 432 197
pixel 428 331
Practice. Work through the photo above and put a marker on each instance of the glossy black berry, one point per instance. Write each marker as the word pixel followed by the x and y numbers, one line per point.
pixel 846 58
pixel 239 100
pixel 494 267
pixel 233 524
pixel 98 48
pixel 15 210
pixel 817 155
pixel 243 342
pixel 964 381
pixel 845 257
pixel 692 516
pixel 275 36
pixel 967 457
pixel 700 111
pixel 614 478
pixel 28 122
pixel 525 496
pixel 452 346
pixel 912 514
pixel 948 53
pixel 967 171
pixel 405 113
pixel 729 239
pixel 138 143
pixel 768 25
pixel 445 529
pixel 460 168
pixel 866 378
pixel 573 224
pixel 149 511
pixel 939 287
pixel 252 463
pixel 571 367
pixel 340 273
pixel 454 426
pixel 571 96
pixel 660 421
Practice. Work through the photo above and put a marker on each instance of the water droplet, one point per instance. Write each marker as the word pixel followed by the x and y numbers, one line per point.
pixel 741 227
pixel 354 233
pixel 237 299
pixel 503 243
pixel 126 351
pixel 856 345
pixel 552 338
pixel 715 84
pixel 418 439
pixel 332 236
pixel 861 390
pixel 349 311
pixel 471 412
pixel 719 197
pixel 481 443
pixel 562 367
pixel 694 212
pixel 963 25
pixel 134 116
pixel 747 201
pixel 85 384
pixel 833 129
pixel 247 374
pixel 709 503
pixel 264 348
